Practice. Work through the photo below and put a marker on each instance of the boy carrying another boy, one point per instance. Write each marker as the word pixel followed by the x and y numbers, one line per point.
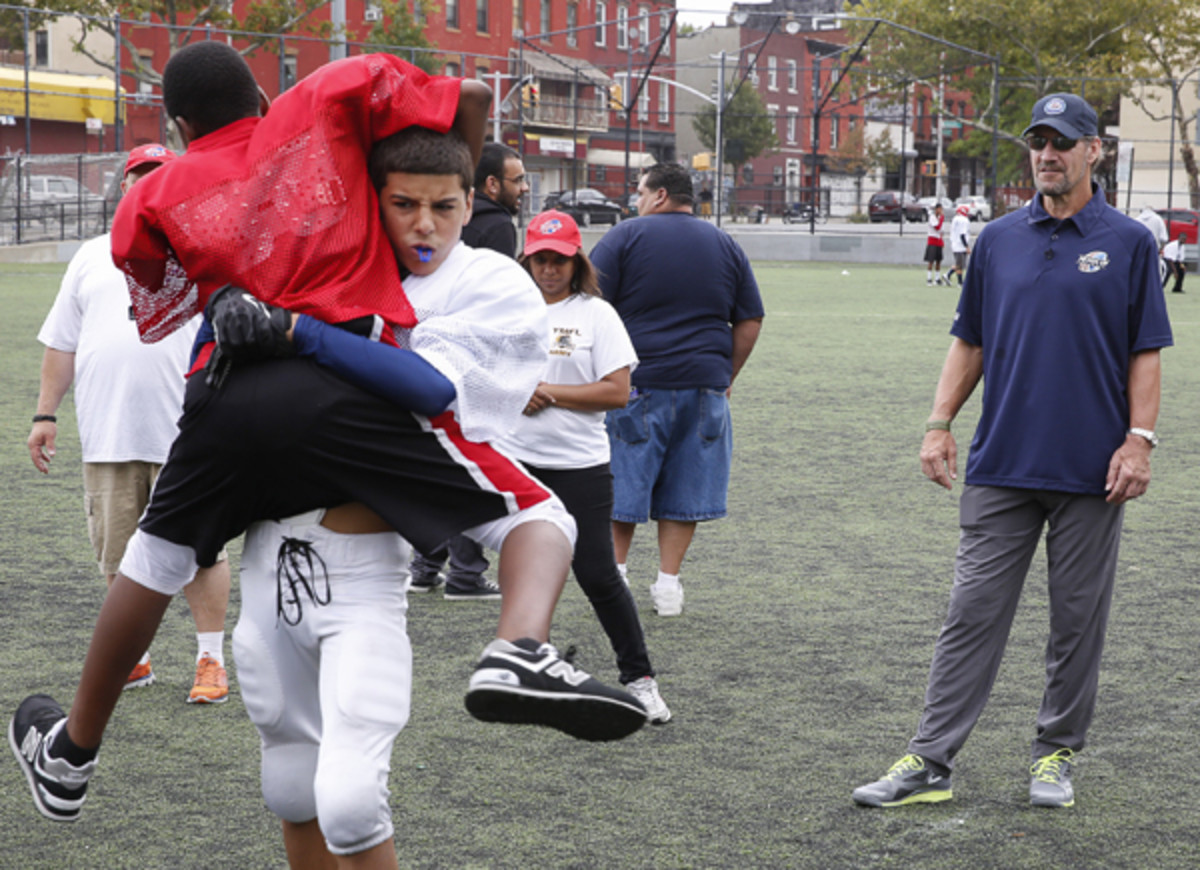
pixel 280 206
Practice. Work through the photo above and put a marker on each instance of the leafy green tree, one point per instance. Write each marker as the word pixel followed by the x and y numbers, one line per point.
pixel 1040 46
pixel 399 27
pixel 1171 54
pixel 186 20
pixel 749 130
pixel 263 22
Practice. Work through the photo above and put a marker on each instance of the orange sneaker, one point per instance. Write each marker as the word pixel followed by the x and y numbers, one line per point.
pixel 141 675
pixel 212 685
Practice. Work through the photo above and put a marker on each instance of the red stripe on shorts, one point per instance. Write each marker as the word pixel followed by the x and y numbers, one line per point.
pixel 502 473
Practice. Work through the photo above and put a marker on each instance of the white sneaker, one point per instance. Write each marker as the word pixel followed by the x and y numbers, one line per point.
pixel 645 689
pixel 668 600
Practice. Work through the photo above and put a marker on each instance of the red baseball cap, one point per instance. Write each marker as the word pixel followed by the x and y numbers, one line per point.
pixel 144 155
pixel 553 231
pixel 964 209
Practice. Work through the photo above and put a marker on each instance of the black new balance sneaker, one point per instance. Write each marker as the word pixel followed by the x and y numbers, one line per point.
pixel 58 787
pixel 526 683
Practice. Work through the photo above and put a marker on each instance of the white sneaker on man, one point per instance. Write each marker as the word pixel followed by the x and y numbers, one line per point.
pixel 667 598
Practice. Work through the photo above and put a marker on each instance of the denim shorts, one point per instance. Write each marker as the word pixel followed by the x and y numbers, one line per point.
pixel 671 451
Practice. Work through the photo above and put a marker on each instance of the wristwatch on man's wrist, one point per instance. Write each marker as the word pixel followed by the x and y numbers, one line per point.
pixel 1148 434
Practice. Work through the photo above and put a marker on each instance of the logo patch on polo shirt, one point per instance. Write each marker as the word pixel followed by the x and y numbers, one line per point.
pixel 1093 262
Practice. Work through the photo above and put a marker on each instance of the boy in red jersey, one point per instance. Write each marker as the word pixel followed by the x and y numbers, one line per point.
pixel 286 436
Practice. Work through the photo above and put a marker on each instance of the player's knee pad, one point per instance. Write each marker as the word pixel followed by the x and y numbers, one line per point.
pixel 288 774
pixel 351 801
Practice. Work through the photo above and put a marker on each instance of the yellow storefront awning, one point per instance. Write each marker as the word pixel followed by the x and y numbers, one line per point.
pixel 57 96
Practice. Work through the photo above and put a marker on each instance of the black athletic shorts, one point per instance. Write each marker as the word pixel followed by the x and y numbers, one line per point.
pixel 287 436
pixel 933 253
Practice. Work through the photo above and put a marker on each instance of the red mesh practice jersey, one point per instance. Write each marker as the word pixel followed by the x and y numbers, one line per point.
pixel 281 205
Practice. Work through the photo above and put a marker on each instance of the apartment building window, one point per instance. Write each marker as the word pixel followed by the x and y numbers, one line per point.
pixel 452 13
pixel 772 74
pixel 644 25
pixel 777 176
pixel 622 27
pixel 773 114
pixel 834 124
pixel 481 16
pixel 544 20
pixel 793 78
pixel 664 26
pixel 643 109
pixel 290 71
pixel 419 13
pixel 752 68
pixel 41 48
pixel 453 69
pixel 601 24
pixel 664 104
pixel 572 23
pixel 792 117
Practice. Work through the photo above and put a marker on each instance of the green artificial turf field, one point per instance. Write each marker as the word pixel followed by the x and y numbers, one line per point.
pixel 795 674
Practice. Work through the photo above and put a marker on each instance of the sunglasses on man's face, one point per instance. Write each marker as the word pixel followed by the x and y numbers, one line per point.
pixel 1060 143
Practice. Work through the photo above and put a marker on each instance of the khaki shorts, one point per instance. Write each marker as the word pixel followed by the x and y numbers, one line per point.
pixel 115 495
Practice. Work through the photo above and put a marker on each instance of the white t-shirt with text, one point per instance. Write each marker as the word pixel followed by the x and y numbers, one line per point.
pixel 587 342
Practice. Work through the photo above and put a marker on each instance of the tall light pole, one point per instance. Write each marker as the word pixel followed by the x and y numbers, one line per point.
pixel 719 193
pixel 629 95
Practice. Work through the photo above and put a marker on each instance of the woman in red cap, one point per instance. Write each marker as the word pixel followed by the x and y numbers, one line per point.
pixel 562 439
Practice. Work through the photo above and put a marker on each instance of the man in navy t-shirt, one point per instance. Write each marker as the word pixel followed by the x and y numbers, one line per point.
pixel 1062 316
pixel 688 298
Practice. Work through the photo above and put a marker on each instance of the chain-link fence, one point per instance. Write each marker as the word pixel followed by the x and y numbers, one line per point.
pixel 56 197
pixel 551 103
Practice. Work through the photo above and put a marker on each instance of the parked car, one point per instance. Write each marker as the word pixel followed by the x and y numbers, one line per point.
pixel 60 197
pixel 890 205
pixel 927 203
pixel 980 207
pixel 587 206
pixel 630 209
pixel 1181 220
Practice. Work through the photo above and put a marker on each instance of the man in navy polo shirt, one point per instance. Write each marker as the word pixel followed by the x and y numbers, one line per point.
pixel 1062 316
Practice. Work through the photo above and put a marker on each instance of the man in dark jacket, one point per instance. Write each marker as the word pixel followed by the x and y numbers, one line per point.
pixel 499 185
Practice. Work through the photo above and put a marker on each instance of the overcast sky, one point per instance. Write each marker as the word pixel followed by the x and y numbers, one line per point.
pixel 702 13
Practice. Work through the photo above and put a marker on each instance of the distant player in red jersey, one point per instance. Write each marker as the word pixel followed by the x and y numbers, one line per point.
pixel 285 435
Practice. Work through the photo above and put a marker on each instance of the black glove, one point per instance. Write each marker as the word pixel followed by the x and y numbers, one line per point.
pixel 247 330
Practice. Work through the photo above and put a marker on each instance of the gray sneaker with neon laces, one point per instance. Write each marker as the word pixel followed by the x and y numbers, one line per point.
pixel 1050 780
pixel 908 781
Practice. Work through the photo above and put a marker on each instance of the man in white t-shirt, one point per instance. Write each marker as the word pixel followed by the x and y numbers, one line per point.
pixel 1154 222
pixel 128 396
pixel 960 245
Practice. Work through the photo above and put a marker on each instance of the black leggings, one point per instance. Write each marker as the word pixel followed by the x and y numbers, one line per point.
pixel 587 494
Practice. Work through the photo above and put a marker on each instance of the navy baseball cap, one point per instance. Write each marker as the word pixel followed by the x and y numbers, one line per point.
pixel 1066 113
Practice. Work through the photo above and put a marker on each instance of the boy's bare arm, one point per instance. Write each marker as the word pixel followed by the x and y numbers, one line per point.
pixel 471 120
